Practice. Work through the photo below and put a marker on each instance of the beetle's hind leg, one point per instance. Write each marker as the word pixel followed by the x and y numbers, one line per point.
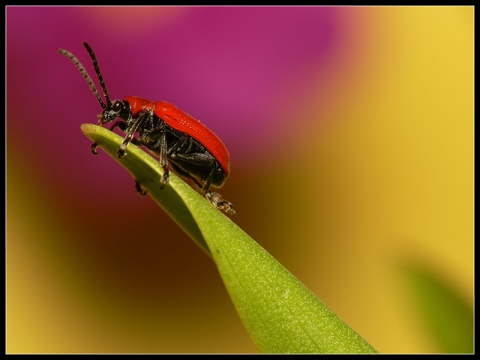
pixel 213 197
pixel 219 202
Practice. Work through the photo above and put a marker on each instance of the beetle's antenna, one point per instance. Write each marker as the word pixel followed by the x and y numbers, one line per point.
pixel 84 73
pixel 97 70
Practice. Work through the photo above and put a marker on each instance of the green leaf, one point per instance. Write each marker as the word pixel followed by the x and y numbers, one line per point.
pixel 444 312
pixel 278 311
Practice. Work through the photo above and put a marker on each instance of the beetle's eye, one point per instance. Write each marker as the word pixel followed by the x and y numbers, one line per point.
pixel 117 106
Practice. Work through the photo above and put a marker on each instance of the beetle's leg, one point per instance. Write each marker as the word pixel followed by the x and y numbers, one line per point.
pixel 139 188
pixel 209 179
pixel 185 144
pixel 94 149
pixel 164 153
pixel 163 158
pixel 182 173
pixel 215 198
pixel 136 141
pixel 179 145
pixel 219 202
pixel 120 124
pixel 128 138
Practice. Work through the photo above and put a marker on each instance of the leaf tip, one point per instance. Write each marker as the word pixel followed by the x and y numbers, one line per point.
pixel 87 128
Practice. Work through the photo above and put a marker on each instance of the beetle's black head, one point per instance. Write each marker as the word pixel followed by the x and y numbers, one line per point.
pixel 114 110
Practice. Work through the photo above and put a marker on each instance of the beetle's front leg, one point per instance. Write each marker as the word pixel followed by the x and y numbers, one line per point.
pixel 140 189
pixel 120 124
pixel 133 129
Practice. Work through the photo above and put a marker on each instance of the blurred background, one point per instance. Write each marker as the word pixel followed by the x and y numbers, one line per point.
pixel 351 137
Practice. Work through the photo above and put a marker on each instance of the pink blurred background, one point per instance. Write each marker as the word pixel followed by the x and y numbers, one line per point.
pixel 350 131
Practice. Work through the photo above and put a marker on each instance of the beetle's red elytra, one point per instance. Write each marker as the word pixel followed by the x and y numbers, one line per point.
pixel 182 143
pixel 178 120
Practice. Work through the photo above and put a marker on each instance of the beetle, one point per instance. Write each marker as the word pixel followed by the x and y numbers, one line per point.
pixel 182 143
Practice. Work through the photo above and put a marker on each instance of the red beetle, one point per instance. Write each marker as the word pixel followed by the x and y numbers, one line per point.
pixel 182 143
